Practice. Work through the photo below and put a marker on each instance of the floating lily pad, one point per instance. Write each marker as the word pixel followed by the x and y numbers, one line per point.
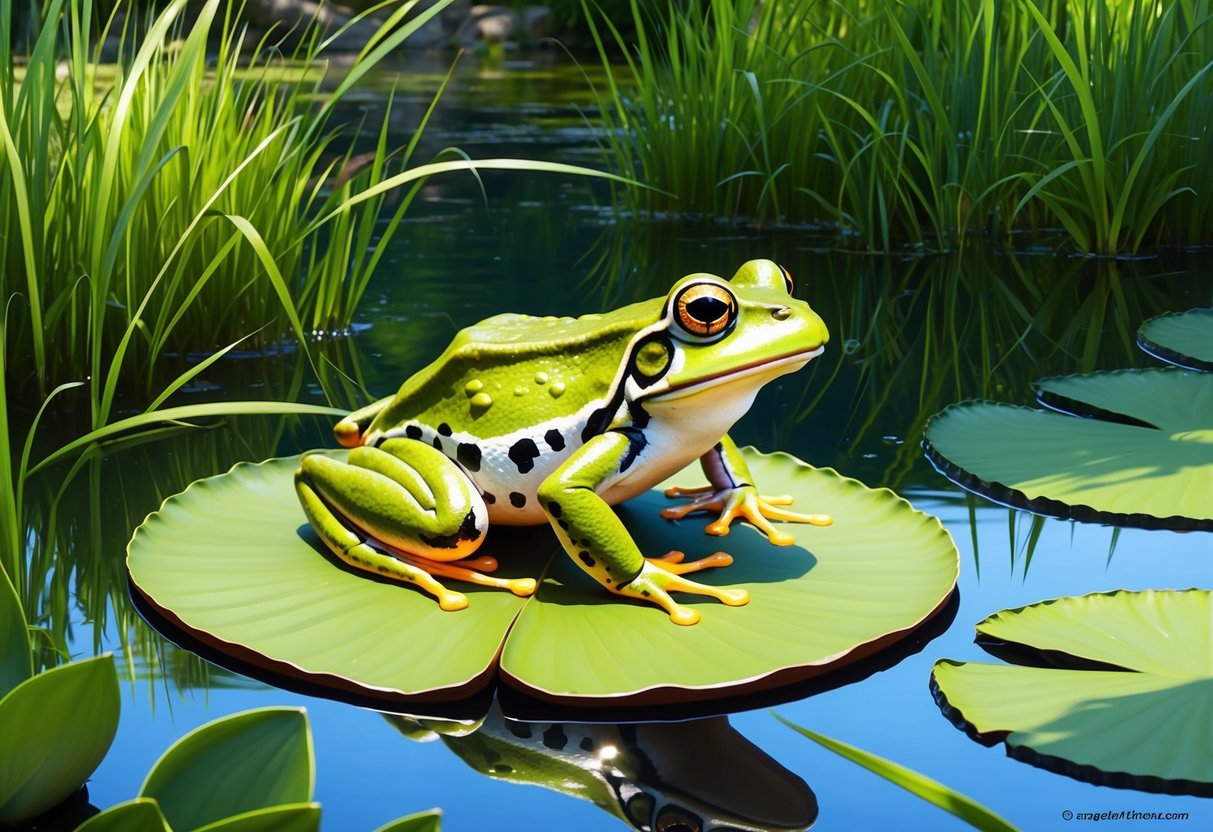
pixel 233 562
pixel 1183 338
pixel 1120 694
pixel 1140 455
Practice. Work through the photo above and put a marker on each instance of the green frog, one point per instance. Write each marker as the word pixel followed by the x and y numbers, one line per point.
pixel 526 421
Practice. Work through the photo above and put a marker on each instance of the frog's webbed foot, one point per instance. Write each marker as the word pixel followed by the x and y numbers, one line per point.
pixel 656 581
pixel 743 502
pixel 470 571
pixel 675 562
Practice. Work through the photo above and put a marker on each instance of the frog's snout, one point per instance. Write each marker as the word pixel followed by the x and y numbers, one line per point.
pixel 781 313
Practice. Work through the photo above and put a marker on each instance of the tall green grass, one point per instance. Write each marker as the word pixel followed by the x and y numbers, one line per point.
pixel 923 123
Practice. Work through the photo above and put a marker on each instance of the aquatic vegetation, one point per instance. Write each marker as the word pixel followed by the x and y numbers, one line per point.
pixel 252 770
pixel 198 196
pixel 922 123
pixel 845 591
pixel 1182 338
pixel 1130 447
pixel 1110 688
pixel 57 725
pixel 932 791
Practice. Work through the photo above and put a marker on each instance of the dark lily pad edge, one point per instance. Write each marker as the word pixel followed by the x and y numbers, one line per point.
pixel 243 659
pixel 1164 353
pixel 1010 497
pixel 770 684
pixel 1083 410
pixel 779 678
pixel 249 662
pixel 1060 765
pixel 1060 660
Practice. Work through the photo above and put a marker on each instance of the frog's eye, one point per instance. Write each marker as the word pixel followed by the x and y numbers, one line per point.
pixel 705 309
pixel 788 282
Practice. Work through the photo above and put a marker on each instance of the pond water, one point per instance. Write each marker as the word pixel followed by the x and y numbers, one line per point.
pixel 910 334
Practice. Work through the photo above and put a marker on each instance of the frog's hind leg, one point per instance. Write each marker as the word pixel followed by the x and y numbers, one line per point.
pixel 404 511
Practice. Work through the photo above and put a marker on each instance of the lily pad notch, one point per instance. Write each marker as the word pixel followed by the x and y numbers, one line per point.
pixel 230 561
pixel 1110 688
pixel 1126 447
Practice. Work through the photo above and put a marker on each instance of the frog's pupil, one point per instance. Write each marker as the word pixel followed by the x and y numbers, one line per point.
pixel 706 309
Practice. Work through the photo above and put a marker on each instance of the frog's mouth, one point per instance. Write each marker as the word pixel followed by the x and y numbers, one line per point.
pixel 781 363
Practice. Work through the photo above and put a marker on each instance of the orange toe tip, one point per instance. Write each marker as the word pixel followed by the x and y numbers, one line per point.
pixel 717 529
pixel 670 513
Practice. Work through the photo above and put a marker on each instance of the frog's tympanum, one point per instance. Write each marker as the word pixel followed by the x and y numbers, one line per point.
pixel 525 421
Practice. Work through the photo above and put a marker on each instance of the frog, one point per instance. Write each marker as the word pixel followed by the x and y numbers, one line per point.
pixel 526 421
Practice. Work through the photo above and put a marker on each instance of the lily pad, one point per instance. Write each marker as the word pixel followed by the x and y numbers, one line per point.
pixel 1183 338
pixel 1141 453
pixel 1121 693
pixel 233 562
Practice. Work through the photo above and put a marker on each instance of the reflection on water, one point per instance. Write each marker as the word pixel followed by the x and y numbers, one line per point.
pixel 910 335
pixel 698 776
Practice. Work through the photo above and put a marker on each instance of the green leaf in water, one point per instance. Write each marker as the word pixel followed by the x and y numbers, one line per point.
pixel 57 727
pixel 916 784
pixel 233 561
pixel 430 821
pixel 15 663
pixel 242 763
pixel 1141 453
pixel 139 815
pixel 300 817
pixel 1183 338
pixel 1117 688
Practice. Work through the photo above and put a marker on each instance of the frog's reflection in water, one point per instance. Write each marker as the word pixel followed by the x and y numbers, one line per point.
pixel 697 776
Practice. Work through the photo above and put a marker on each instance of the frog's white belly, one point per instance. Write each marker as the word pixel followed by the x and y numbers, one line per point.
pixel 509 469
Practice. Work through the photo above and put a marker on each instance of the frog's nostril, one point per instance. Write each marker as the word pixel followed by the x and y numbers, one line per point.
pixel 781 313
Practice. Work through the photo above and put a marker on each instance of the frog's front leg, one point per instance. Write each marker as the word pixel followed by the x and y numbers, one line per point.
pixel 404 511
pixel 732 494
pixel 598 542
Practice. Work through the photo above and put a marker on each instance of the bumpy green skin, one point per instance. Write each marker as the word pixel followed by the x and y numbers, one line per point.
pixel 530 420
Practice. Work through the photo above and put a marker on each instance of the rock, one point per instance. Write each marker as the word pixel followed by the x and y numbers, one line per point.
pixel 496 24
pixel 440 30
pixel 537 21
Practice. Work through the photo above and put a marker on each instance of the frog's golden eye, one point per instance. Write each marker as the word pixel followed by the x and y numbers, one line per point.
pixel 788 282
pixel 705 309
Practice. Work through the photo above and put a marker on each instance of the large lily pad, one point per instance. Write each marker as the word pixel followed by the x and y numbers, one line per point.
pixel 233 562
pixel 1120 692
pixel 1141 455
pixel 1183 338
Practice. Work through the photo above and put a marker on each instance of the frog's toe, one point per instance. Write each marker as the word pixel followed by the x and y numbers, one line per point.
pixel 450 600
pixel 673 562
pixel 522 587
pixel 684 616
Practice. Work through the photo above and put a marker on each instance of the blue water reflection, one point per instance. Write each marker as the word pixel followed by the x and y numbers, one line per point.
pixel 896 357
